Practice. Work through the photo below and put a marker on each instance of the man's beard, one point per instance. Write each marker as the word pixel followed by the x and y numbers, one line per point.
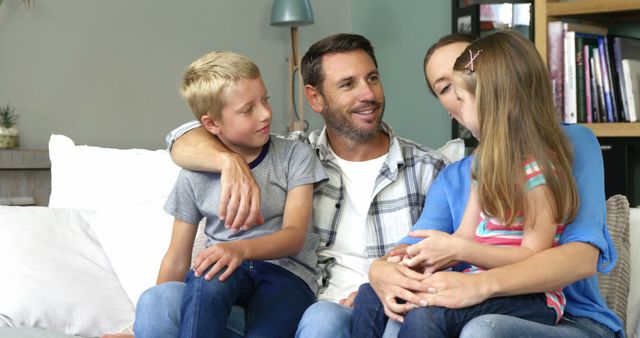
pixel 345 127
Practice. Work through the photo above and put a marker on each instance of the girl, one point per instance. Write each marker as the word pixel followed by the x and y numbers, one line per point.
pixel 524 190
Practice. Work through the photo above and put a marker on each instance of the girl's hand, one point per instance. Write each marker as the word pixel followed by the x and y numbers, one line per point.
pixel 437 250
pixel 230 254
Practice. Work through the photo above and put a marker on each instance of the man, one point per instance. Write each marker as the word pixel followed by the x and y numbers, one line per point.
pixel 375 191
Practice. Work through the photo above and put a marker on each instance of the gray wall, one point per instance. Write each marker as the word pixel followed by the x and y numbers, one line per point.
pixel 401 32
pixel 105 73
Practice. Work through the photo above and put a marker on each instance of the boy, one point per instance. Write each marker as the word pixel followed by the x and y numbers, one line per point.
pixel 253 268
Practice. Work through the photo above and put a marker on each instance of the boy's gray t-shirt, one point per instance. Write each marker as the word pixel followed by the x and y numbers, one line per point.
pixel 281 166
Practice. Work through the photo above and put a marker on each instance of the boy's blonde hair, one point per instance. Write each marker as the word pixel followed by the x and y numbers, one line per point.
pixel 207 79
pixel 518 121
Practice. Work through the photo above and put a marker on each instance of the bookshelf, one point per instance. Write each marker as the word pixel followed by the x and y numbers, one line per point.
pixel 609 11
pixel 620 142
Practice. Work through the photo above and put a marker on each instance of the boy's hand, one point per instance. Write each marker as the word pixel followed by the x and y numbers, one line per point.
pixel 240 196
pixel 230 254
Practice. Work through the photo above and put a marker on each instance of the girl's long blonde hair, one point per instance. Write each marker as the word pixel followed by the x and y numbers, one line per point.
pixel 517 121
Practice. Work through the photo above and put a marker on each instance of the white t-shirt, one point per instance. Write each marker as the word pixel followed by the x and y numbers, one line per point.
pixel 352 265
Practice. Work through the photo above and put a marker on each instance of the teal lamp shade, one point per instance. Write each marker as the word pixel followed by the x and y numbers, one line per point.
pixel 291 13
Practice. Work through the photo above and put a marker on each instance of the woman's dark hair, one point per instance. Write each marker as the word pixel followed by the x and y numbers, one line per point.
pixel 444 41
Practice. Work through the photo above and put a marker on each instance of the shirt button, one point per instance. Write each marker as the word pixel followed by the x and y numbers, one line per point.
pixel 337 205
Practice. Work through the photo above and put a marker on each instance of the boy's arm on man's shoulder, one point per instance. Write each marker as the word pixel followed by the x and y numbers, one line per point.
pixel 199 150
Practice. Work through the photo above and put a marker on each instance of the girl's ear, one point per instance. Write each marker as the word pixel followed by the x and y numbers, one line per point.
pixel 210 124
pixel 314 97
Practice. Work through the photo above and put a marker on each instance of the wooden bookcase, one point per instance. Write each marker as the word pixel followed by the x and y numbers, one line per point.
pixel 620 142
pixel 602 11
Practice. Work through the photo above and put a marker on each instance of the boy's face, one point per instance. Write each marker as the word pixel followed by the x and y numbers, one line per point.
pixel 245 119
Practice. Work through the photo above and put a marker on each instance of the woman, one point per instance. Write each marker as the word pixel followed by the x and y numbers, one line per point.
pixel 585 245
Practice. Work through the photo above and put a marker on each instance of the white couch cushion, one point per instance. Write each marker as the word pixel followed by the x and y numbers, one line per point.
pixel 94 178
pixel 55 274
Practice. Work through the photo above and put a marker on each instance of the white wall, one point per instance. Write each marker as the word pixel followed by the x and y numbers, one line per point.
pixel 106 73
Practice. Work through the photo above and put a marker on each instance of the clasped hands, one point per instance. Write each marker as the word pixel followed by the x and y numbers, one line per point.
pixel 411 276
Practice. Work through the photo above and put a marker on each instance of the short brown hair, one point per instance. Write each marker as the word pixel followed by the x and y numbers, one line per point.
pixel 311 64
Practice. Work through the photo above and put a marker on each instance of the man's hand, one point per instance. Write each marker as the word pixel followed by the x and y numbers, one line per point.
pixel 240 195
pixel 229 254
pixel 393 282
pixel 453 290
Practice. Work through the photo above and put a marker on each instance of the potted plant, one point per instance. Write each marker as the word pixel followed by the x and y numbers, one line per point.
pixel 8 130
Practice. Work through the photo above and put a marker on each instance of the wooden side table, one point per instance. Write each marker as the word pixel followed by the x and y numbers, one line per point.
pixel 25 177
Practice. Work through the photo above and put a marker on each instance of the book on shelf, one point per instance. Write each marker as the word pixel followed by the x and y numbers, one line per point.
pixel 586 55
pixel 584 44
pixel 570 92
pixel 599 88
pixel 566 68
pixel 595 106
pixel 606 87
pixel 631 71
pixel 555 60
pixel 622 48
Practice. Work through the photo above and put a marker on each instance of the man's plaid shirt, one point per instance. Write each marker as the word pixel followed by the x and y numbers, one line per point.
pixel 399 192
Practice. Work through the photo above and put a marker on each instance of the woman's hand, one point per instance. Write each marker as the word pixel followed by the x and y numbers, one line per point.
pixel 436 251
pixel 454 290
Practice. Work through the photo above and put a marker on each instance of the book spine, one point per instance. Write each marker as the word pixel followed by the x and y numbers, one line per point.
pixel 595 110
pixel 618 115
pixel 555 60
pixel 587 83
pixel 570 104
pixel 631 99
pixel 605 80
pixel 618 61
pixel 580 95
pixel 599 89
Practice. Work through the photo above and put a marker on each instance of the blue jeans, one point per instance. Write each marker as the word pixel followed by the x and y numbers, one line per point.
pixel 273 297
pixel 369 320
pixel 501 326
pixel 328 319
pixel 158 313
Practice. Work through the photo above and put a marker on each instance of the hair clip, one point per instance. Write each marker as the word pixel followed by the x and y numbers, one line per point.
pixel 471 59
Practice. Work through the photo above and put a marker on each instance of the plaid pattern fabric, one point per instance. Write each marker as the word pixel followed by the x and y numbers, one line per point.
pixel 399 192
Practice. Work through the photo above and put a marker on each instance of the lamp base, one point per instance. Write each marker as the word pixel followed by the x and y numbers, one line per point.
pixel 296 126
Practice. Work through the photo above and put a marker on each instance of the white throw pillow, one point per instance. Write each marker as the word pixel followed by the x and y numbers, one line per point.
pixel 55 274
pixel 94 178
pixel 135 239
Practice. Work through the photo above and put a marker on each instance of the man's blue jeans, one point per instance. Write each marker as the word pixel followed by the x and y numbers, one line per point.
pixel 274 300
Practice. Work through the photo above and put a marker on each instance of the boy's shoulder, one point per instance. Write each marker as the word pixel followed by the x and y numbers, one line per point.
pixel 289 146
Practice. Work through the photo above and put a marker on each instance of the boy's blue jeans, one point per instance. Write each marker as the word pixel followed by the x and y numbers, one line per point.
pixel 274 300
pixel 158 313
pixel 368 318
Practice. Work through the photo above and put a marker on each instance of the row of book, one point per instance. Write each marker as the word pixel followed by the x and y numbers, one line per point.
pixel 595 75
